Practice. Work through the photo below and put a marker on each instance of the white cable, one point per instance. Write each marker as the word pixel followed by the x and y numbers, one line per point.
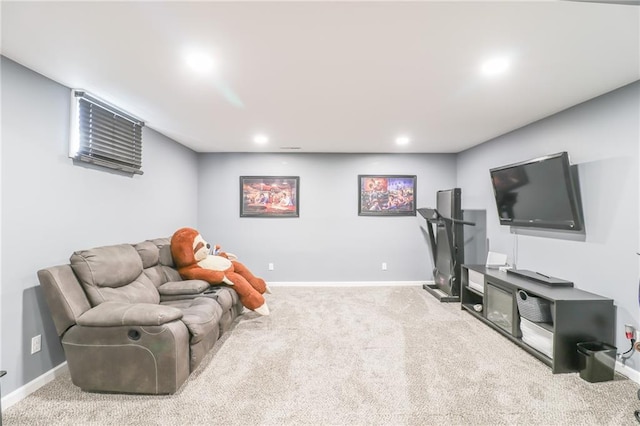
pixel 515 251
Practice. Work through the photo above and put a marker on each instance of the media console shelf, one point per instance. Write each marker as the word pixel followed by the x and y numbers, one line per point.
pixel 577 315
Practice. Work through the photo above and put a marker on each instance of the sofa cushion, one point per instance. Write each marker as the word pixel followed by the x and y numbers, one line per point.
pixel 201 316
pixel 108 266
pixel 171 274
pixel 156 275
pixel 113 273
pixel 166 258
pixel 115 314
pixel 162 241
pixel 224 296
pixel 157 261
pixel 149 253
pixel 172 288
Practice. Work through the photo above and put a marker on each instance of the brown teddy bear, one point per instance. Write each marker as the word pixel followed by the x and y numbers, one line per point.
pixel 191 254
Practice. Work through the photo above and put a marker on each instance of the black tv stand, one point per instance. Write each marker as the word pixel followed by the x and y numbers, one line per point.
pixel 491 296
pixel 541 278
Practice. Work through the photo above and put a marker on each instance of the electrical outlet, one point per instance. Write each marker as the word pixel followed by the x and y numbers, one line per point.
pixel 36 344
pixel 271 266
pixel 384 266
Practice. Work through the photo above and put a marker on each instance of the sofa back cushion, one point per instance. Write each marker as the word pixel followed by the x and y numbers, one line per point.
pixel 113 273
pixel 164 247
pixel 166 260
pixel 157 261
pixel 149 254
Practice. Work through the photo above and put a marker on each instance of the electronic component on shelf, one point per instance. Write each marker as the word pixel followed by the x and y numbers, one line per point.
pixel 541 278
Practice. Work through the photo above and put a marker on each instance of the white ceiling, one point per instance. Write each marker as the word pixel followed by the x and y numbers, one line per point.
pixel 330 76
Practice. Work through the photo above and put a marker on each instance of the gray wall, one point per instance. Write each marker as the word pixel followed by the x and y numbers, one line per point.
pixel 602 139
pixel 51 207
pixel 329 241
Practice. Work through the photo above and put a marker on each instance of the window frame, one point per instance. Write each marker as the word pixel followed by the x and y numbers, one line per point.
pixel 104 135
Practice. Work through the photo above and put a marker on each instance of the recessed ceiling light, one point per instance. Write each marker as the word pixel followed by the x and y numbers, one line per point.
pixel 199 62
pixel 495 66
pixel 261 139
pixel 402 140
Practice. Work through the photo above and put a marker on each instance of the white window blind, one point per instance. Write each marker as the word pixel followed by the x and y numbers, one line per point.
pixel 104 135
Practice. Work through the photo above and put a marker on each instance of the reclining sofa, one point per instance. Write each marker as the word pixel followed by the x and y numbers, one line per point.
pixel 127 321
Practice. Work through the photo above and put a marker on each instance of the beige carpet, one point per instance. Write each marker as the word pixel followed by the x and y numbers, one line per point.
pixel 353 356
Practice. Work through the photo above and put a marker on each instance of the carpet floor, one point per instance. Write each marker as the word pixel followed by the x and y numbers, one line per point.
pixel 352 356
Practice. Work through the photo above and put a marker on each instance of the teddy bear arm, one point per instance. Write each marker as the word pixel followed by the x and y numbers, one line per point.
pixel 208 275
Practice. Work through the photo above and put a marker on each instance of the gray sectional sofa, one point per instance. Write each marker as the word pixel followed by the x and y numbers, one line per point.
pixel 127 321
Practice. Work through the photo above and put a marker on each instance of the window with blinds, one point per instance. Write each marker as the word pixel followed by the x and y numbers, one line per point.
pixel 103 135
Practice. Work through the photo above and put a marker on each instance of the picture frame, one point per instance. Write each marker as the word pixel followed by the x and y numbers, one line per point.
pixel 387 195
pixel 269 196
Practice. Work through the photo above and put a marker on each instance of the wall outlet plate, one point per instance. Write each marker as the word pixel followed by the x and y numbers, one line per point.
pixel 36 344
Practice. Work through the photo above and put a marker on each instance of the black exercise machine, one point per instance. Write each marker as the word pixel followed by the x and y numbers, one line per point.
pixel 445 226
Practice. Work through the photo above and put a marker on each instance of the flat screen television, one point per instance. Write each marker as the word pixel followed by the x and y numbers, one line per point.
pixel 540 193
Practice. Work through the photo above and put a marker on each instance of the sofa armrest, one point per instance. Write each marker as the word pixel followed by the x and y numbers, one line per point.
pixel 174 288
pixel 113 314
pixel 64 295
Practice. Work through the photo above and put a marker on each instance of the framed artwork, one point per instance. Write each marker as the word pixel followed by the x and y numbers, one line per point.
pixel 387 195
pixel 269 196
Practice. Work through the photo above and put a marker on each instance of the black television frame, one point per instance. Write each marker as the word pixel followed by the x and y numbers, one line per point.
pixel 571 187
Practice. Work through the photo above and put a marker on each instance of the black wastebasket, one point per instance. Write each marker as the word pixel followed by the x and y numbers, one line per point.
pixel 597 361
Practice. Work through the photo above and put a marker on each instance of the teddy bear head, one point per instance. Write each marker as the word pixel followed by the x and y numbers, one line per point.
pixel 188 247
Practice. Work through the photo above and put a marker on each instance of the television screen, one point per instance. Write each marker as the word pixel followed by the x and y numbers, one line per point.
pixel 537 193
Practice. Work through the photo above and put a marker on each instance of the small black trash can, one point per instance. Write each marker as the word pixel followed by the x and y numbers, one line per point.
pixel 597 361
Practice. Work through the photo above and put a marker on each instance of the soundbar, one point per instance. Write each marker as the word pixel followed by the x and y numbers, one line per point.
pixel 542 278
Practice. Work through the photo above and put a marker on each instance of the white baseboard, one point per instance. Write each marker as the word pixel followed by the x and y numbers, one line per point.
pixel 347 283
pixel 24 391
pixel 629 372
